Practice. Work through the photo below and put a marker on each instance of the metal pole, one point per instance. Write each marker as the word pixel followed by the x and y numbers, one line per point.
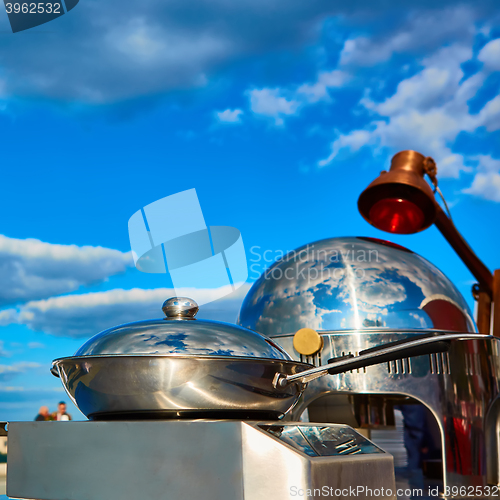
pixel 483 312
pixel 465 252
pixel 489 284
pixel 496 303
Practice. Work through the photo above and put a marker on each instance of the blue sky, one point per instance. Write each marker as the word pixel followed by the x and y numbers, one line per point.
pixel 278 113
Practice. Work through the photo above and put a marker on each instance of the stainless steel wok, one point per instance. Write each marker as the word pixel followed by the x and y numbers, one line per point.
pixel 182 367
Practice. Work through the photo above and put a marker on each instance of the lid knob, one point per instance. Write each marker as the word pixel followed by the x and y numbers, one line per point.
pixel 307 341
pixel 180 308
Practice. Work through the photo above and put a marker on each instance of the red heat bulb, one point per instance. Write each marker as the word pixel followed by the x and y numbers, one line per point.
pixel 395 215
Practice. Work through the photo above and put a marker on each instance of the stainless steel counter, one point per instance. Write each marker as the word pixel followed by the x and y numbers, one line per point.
pixel 209 460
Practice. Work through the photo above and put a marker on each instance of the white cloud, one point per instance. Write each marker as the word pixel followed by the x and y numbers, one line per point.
pixel 230 115
pixel 489 116
pixel 35 345
pixel 486 186
pixel 422 30
pixel 270 103
pixel 8 372
pixel 33 269
pixel 147 43
pixel 352 141
pixel 486 182
pixel 280 102
pixel 123 55
pixel 3 352
pixel 487 163
pixel 319 90
pixel 434 85
pixel 356 51
pixel 490 55
pixel 7 316
pixel 87 314
pixel 9 395
pixel 426 113
pixel 127 49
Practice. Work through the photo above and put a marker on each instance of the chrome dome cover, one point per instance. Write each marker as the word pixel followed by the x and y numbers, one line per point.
pixel 182 336
pixel 357 284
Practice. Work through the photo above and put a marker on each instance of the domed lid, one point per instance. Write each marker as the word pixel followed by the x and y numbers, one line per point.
pixel 179 333
pixel 353 284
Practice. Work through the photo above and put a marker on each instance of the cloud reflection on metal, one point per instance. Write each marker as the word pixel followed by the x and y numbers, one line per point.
pixel 353 284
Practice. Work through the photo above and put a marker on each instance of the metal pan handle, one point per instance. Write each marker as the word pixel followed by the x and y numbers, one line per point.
pixel 381 354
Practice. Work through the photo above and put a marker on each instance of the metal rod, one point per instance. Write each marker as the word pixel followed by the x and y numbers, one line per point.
pixel 496 303
pixel 464 251
pixel 489 295
pixel 483 313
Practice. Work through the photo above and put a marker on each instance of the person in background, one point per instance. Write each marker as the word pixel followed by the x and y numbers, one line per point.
pixel 421 435
pixel 61 413
pixel 43 414
pixel 414 433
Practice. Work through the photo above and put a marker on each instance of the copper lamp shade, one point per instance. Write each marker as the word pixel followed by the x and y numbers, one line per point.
pixel 400 201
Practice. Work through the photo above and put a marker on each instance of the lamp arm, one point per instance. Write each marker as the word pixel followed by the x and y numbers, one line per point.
pixel 464 251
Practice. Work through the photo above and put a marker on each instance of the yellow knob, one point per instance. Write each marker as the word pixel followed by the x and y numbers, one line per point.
pixel 307 341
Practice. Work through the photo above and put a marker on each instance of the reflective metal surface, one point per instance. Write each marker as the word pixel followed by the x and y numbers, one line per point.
pixel 399 351
pixel 180 308
pixel 176 366
pixel 359 293
pixel 104 386
pixel 180 334
pixel 209 460
pixel 322 440
pixel 461 388
pixel 353 284
pixel 173 386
